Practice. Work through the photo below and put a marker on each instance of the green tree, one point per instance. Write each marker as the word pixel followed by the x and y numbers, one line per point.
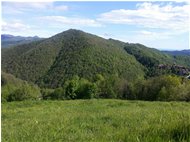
pixel 89 91
pixel 58 94
pixel 71 87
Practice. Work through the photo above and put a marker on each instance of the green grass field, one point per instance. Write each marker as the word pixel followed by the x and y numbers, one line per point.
pixel 95 121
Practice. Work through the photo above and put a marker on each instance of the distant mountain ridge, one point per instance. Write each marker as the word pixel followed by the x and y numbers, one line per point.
pixel 178 52
pixel 8 40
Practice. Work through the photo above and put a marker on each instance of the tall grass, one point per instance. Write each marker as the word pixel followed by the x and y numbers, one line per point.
pixel 96 121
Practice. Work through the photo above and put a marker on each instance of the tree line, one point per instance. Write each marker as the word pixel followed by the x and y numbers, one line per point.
pixel 161 88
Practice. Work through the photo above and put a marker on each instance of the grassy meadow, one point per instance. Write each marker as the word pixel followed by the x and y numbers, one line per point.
pixel 93 120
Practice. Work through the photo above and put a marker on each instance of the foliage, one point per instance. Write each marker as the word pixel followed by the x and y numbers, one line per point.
pixel 6 91
pixel 71 88
pixel 14 89
pixel 76 88
pixel 25 92
pixel 87 89
pixel 163 88
pixel 46 93
pixel 182 60
pixel 108 86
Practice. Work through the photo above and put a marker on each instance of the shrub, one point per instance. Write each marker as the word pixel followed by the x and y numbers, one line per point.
pixel 89 91
pixel 58 94
pixel 25 92
pixel 6 91
pixel 46 93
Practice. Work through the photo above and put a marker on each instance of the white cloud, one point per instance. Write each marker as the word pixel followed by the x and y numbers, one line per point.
pixel 151 15
pixel 71 21
pixel 14 26
pixel 17 27
pixel 146 32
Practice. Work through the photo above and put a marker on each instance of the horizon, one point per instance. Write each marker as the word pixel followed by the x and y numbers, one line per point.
pixel 160 25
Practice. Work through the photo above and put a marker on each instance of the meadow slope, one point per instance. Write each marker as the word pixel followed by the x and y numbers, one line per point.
pixel 95 121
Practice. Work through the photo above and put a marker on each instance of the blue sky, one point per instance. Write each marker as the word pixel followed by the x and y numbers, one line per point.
pixel 161 25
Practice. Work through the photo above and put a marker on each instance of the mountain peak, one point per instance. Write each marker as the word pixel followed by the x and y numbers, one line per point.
pixel 73 31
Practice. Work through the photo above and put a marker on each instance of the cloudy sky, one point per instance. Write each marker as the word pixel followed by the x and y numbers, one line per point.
pixel 162 25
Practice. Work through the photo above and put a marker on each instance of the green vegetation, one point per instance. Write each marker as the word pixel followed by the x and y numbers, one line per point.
pixel 87 55
pixel 183 60
pixel 29 61
pixel 78 65
pixel 14 89
pixel 148 56
pixel 152 58
pixel 52 61
pixel 95 120
pixel 162 88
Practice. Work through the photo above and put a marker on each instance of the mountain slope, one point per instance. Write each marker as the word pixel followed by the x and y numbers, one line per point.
pixel 54 60
pixel 30 61
pixel 142 53
pixel 10 40
pixel 152 59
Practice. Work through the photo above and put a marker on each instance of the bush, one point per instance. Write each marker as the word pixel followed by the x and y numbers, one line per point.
pixel 25 92
pixel 88 91
pixel 58 94
pixel 46 93
pixel 6 91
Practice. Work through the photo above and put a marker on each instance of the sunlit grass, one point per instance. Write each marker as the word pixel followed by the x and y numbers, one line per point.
pixel 96 120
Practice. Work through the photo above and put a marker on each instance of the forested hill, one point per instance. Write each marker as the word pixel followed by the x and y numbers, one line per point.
pixel 52 61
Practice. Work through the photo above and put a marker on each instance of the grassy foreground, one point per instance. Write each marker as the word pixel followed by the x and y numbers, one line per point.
pixel 96 120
